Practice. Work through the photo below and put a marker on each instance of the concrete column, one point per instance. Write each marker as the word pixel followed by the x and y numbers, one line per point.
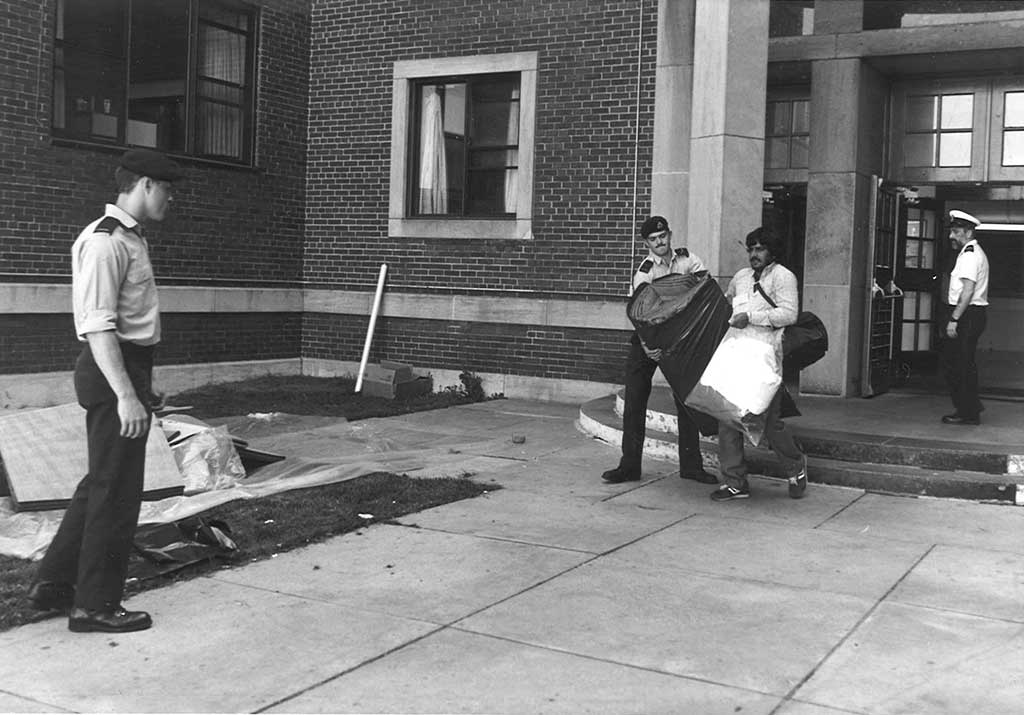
pixel 673 87
pixel 730 51
pixel 834 16
pixel 848 104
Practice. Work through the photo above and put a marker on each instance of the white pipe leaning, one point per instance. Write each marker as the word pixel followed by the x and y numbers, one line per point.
pixel 373 323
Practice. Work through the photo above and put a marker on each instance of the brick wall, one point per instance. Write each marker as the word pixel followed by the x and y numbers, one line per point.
pixel 583 218
pixel 228 225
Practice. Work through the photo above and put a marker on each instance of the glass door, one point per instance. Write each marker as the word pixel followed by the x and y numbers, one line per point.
pixel 921 249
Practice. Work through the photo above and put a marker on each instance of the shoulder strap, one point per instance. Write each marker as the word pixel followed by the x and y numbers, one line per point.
pixel 759 289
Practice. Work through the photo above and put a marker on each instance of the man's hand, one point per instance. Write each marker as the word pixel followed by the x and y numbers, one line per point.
pixel 739 320
pixel 951 329
pixel 134 417
pixel 653 353
pixel 157 399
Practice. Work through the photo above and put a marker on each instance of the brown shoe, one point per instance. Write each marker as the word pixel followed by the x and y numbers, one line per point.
pixel 82 620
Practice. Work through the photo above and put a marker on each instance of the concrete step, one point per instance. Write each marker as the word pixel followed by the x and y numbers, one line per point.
pixel 881 463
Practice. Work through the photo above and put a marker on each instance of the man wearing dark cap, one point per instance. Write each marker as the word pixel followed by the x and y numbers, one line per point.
pixel 642 361
pixel 117 318
pixel 967 298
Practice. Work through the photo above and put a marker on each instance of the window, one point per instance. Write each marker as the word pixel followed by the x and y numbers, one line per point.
pixel 787 134
pixel 175 75
pixel 466 146
pixel 788 18
pixel 462 147
pixel 938 130
pixel 1013 129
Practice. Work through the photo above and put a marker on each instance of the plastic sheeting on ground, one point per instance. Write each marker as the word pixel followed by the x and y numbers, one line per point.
pixel 332 450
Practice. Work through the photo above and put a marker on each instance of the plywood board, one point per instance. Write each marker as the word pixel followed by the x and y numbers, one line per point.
pixel 45 456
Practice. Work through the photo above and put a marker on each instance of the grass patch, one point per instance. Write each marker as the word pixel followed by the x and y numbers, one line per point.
pixel 281 522
pixel 272 525
pixel 302 395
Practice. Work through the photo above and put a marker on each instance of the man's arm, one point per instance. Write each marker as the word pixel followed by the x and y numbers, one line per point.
pixel 107 354
pixel 961 305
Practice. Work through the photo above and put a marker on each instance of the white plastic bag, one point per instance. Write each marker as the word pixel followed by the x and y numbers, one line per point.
pixel 208 460
pixel 741 379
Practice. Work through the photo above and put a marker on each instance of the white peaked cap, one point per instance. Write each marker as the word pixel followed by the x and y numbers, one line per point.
pixel 955 215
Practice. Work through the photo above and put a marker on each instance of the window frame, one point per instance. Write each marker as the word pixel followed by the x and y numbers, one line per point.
pixel 791 94
pixel 402 220
pixel 979 131
pixel 191 82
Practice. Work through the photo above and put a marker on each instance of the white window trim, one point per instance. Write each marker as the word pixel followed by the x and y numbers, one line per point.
pixel 399 224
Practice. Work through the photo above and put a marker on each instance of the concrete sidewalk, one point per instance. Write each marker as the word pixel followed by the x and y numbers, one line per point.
pixel 561 594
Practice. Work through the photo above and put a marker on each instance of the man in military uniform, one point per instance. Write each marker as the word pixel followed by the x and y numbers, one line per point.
pixel 642 361
pixel 118 319
pixel 967 298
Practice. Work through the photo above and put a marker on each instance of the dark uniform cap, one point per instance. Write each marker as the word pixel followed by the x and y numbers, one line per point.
pixel 655 224
pixel 146 162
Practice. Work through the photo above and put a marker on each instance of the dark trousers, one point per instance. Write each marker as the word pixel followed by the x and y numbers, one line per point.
pixel 958 361
pixel 94 540
pixel 639 372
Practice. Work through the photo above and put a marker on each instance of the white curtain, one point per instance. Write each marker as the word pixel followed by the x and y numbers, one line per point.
pixel 512 138
pixel 433 194
pixel 222 56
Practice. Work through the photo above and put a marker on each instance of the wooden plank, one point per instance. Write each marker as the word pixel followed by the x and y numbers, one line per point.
pixel 45 456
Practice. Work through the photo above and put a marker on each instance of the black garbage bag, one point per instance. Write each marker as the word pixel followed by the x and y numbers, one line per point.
pixel 686 317
pixel 160 549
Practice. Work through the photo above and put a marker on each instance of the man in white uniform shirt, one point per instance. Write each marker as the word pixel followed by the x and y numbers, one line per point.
pixel 967 299
pixel 641 362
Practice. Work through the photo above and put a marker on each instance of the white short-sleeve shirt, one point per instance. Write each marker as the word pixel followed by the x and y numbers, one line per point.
pixel 972 264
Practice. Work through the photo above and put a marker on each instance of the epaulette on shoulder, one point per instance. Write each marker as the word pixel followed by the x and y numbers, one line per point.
pixel 109 224
pixel 682 252
pixel 645 267
pixel 968 249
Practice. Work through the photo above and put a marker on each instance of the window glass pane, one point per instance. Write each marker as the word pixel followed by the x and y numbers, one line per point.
pixel 958 111
pixel 910 305
pixel 925 306
pixel 919 149
pixel 928 255
pixel 493 158
pixel 434 149
pixel 778 121
pixel 223 92
pixel 924 336
pixel 777 152
pixel 218 130
pixel 1013 148
pixel 494 120
pixel 90 69
pixel 221 54
pixel 912 254
pixel 801 117
pixel 1013 114
pixel 955 149
pixel 907 344
pixel 486 192
pixel 922 113
pixel 801 152
pixel 156 93
pixel 455 109
pixel 224 15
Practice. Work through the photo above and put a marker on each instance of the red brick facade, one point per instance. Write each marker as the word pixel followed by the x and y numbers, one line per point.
pixel 229 226
pixel 313 212
pixel 583 180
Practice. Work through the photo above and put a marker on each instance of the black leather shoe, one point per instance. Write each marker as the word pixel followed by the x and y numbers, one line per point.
pixel 620 474
pixel 958 420
pixel 701 477
pixel 51 596
pixel 82 620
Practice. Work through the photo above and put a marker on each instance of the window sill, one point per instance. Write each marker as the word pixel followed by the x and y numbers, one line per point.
pixel 496 228
pixel 119 149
